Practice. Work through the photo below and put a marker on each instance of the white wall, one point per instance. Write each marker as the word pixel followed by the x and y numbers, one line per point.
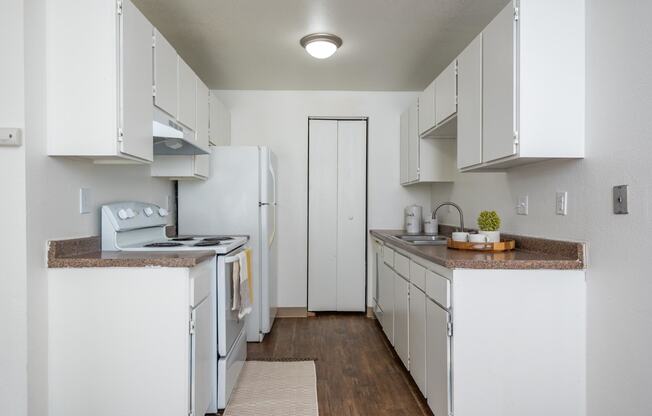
pixel 13 290
pixel 618 151
pixel 279 119
pixel 52 199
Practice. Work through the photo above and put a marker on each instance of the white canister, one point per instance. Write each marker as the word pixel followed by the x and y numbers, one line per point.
pixel 430 226
pixel 413 219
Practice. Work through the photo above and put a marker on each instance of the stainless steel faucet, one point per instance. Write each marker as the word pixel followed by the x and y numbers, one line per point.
pixel 452 204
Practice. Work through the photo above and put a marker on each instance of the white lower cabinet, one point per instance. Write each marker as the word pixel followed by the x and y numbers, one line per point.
pixel 437 359
pixel 417 337
pixel 486 342
pixel 401 318
pixel 114 348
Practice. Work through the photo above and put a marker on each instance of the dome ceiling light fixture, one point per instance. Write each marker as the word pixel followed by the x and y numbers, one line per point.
pixel 321 45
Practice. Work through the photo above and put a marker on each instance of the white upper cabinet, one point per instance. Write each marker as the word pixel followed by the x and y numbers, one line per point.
pixel 424 160
pixel 533 85
pixel 499 83
pixel 469 104
pixel 413 149
pixel 405 134
pixel 136 108
pixel 202 115
pixel 427 109
pixel 220 122
pixel 446 94
pixel 165 75
pixel 182 167
pixel 99 93
pixel 187 82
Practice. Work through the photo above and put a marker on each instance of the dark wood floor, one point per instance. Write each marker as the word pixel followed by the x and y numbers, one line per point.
pixel 358 373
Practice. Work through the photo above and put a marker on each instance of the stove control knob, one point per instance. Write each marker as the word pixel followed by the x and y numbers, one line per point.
pixel 130 213
pixel 163 212
pixel 122 214
pixel 148 212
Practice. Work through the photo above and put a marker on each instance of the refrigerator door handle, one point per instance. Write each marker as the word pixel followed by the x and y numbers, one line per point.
pixel 273 175
pixel 271 238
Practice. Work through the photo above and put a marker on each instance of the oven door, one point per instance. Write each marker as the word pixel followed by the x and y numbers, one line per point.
pixel 229 326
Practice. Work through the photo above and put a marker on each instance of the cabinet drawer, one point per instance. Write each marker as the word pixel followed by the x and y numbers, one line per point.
pixel 402 265
pixel 388 256
pixel 418 275
pixel 438 288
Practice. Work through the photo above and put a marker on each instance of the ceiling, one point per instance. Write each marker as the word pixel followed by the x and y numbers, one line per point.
pixel 389 45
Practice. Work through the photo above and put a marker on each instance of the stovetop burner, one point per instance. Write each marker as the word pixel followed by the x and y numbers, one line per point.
pixel 215 239
pixel 169 244
pixel 207 243
pixel 182 238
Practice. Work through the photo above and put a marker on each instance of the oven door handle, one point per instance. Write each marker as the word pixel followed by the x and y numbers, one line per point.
pixel 234 257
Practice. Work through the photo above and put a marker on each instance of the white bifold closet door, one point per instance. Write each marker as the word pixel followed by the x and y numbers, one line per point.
pixel 337 215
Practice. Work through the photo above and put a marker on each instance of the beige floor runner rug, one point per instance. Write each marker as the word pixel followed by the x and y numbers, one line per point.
pixel 267 388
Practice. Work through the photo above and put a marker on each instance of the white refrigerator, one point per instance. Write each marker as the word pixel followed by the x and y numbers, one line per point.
pixel 239 198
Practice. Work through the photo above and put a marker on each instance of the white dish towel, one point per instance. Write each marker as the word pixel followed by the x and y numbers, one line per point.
pixel 242 287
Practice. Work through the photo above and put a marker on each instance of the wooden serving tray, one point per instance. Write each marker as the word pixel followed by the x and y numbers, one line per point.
pixel 503 245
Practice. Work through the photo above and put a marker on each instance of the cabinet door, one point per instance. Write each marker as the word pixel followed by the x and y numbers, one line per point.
pixel 202 115
pixel 427 109
pixel 414 142
pixel 136 83
pixel 375 264
pixel 437 359
pixel 202 166
pixel 201 355
pixel 220 122
pixel 417 337
pixel 446 93
pixel 401 318
pixel 386 300
pixel 469 105
pixel 405 117
pixel 498 83
pixel 187 114
pixel 165 75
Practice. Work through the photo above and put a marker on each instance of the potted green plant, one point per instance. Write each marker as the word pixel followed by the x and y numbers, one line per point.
pixel 489 224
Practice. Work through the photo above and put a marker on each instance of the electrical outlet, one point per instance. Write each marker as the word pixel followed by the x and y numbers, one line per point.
pixel 85 200
pixel 522 206
pixel 10 137
pixel 562 203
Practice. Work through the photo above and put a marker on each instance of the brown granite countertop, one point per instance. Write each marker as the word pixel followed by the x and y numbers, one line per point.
pixel 86 252
pixel 530 253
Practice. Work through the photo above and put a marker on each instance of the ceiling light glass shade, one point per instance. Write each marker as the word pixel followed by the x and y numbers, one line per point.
pixel 321 45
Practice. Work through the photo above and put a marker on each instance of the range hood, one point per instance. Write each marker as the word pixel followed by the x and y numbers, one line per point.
pixel 171 138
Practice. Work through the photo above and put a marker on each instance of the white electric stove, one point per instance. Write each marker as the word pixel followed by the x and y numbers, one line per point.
pixel 139 226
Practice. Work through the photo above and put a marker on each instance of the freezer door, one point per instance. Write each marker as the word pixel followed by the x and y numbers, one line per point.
pixel 226 203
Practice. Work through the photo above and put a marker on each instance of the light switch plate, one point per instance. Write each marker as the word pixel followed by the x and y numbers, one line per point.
pixel 85 200
pixel 522 206
pixel 562 203
pixel 620 199
pixel 10 137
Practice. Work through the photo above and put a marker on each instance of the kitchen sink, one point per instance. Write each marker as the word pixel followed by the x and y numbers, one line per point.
pixel 422 239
